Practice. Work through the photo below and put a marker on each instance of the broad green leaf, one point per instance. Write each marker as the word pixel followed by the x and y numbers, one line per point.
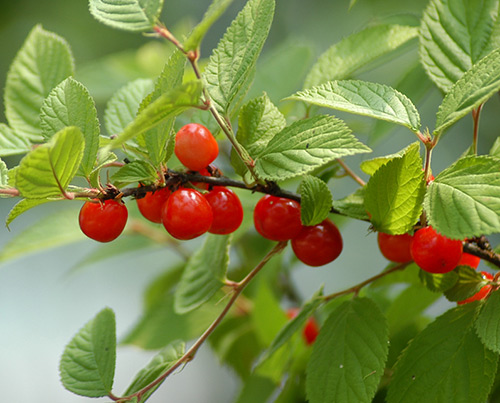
pixel 378 101
pixel 135 171
pixel 204 274
pixel 454 35
pixel 464 199
pixel 306 145
pixel 165 107
pixel 11 143
pixel 353 205
pixel 348 357
pixel 438 282
pixel 43 62
pixel 232 64
pixel 370 166
pixel 4 174
pixel 256 389
pixel 214 11
pixel 160 363
pixel 48 170
pixel 353 52
pixel 495 148
pixel 259 121
pixel 469 282
pixel 446 362
pixel 129 15
pixel 70 104
pixel 122 108
pixel 487 323
pixel 395 192
pixel 316 200
pixel 475 87
pixel 22 206
pixel 87 365
pixel 103 159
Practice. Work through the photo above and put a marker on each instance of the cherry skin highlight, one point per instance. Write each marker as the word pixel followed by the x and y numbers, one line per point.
pixel 277 218
pixel 195 146
pixel 395 248
pixel 482 293
pixel 103 221
pixel 434 252
pixel 226 208
pixel 319 244
pixel 186 214
pixel 150 205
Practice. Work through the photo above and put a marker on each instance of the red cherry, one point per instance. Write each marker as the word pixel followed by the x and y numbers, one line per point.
pixel 150 205
pixel 195 147
pixel 211 170
pixel 395 248
pixel 482 293
pixel 311 328
pixel 103 221
pixel 277 218
pixel 226 208
pixel 186 214
pixel 319 244
pixel 434 252
pixel 469 260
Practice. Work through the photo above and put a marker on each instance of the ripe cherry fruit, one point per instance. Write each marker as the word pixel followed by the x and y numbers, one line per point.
pixel 311 328
pixel 211 170
pixel 277 218
pixel 319 244
pixel 434 252
pixel 395 248
pixel 186 214
pixel 226 208
pixel 103 221
pixel 482 293
pixel 469 260
pixel 150 205
pixel 195 147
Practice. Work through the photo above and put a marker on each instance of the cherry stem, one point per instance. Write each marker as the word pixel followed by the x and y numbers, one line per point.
pixel 351 173
pixel 189 354
pixel 475 118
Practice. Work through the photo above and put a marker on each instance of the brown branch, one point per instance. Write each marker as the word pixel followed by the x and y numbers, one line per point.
pixel 351 173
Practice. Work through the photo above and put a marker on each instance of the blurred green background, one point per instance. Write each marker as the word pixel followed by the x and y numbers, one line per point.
pixel 43 301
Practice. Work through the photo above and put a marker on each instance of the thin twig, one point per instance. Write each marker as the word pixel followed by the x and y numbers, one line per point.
pixel 475 118
pixel 351 173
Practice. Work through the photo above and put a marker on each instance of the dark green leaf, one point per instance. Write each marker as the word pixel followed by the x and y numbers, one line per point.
pixel 438 282
pixel 353 205
pixel 469 282
pixel 256 389
pixel 135 171
pixel 316 200
pixel 488 324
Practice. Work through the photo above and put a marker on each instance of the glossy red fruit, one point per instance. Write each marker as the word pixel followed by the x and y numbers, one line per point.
pixel 395 248
pixel 277 218
pixel 319 244
pixel 226 208
pixel 211 170
pixel 482 293
pixel 434 252
pixel 311 328
pixel 195 147
pixel 103 221
pixel 151 204
pixel 186 214
pixel 469 260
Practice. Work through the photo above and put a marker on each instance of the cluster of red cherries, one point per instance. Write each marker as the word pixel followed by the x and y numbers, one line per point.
pixel 187 212
pixel 433 253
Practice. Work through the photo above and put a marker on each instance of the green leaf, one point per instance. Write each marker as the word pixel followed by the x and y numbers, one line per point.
pixel 464 199
pixel 352 205
pixel 370 166
pixel 48 170
pixel 160 363
pixel 475 87
pixel 136 171
pixel 438 282
pixel 204 274
pixel 21 207
pixel 495 148
pixel 348 357
pixel 43 62
pixel 256 389
pixel 232 65
pixel 165 107
pixel 214 11
pixel 70 104
pixel 364 98
pixel 395 192
pixel 4 174
pixel 316 200
pixel 259 121
pixel 356 51
pixel 306 145
pixel 122 108
pixel 445 362
pixel 11 143
pixel 129 15
pixel 469 282
pixel 454 35
pixel 487 323
pixel 88 363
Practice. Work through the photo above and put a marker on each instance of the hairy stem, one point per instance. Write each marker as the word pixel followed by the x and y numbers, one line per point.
pixel 351 173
